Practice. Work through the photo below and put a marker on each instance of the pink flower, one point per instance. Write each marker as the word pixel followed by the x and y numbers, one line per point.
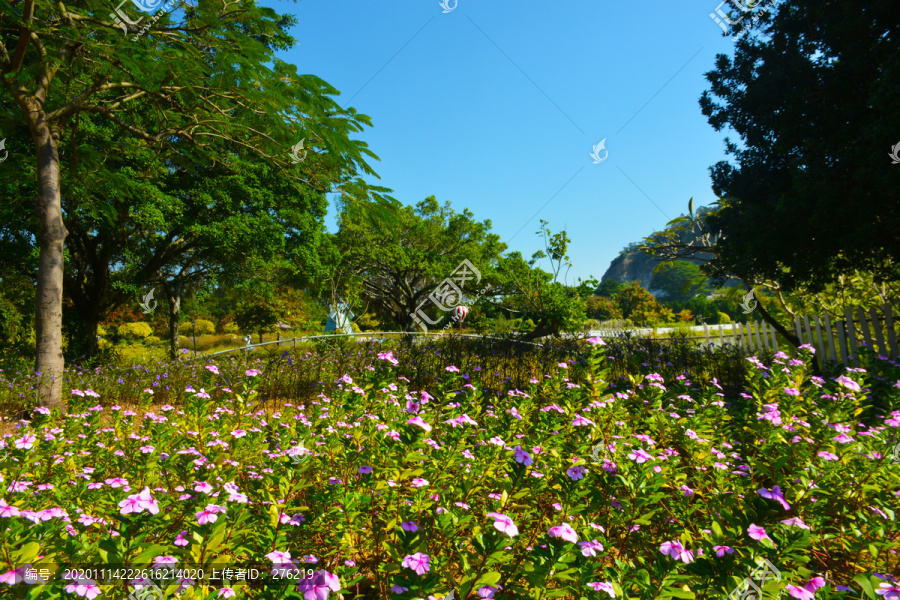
pixel 389 356
pixel 640 456
pixel 848 383
pixel 252 372
pixel 791 391
pixel 85 588
pixel 827 455
pixel 138 503
pixel 25 442
pixel 210 514
pixel 238 433
pixel 419 422
pixel 418 562
pixel 203 487
pixel 595 341
pixel 212 369
pixel 796 522
pixel 226 592
pixel 452 369
pixel 774 494
pixel 603 586
pixel 580 421
pixel 563 365
pixel 318 587
pixel 180 540
pixel 842 438
pixel 687 491
pixel 504 524
pixel 147 449
pixel 116 482
pixel 757 533
pixel 278 557
pixel 677 551
pixel 563 531
pixel 590 548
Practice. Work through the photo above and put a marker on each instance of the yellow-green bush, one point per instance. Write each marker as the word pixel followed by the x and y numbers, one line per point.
pixel 231 328
pixel 133 331
pixel 101 330
pixel 723 318
pixel 203 327
pixel 152 340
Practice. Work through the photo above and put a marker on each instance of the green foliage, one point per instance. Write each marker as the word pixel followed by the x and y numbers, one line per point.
pixel 609 288
pixel 200 327
pixel 637 304
pixel 635 458
pixel 152 340
pixel 679 282
pixel 602 308
pixel 230 328
pixel 394 270
pixel 802 199
pixel 723 318
pixel 134 331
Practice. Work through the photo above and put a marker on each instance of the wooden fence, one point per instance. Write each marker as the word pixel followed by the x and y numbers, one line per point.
pixel 838 341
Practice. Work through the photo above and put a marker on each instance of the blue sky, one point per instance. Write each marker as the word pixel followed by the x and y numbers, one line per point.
pixel 496 107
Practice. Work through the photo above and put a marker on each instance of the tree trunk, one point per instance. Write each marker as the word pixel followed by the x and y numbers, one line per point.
pixel 542 331
pixel 49 361
pixel 793 339
pixel 173 300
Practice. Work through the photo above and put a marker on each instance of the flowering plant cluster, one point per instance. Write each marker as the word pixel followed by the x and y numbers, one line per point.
pixel 568 488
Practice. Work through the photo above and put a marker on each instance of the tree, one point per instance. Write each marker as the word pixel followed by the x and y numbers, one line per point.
pixel 637 304
pixel 609 288
pixel 186 89
pixel 679 282
pixel 393 271
pixel 601 308
pixel 812 92
pixel 538 296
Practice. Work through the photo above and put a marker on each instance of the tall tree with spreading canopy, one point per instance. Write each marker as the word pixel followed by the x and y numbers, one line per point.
pixel 812 91
pixel 201 78
pixel 392 271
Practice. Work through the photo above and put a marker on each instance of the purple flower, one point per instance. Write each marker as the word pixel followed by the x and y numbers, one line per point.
pixel 590 548
pixel 721 550
pixel 774 494
pixel 318 587
pixel 409 526
pixel 576 473
pixel 364 470
pixel 889 591
pixel 523 457
pixel 640 456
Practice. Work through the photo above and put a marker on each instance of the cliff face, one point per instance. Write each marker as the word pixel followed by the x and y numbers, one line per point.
pixel 632 266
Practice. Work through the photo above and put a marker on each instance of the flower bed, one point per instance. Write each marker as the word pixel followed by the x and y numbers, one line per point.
pixel 660 490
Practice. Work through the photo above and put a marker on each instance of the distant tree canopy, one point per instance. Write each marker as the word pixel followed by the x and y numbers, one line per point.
pixel 680 282
pixel 812 92
pixel 392 271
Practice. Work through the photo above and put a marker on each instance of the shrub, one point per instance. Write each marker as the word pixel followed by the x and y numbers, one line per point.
pixel 135 331
pixel 203 327
pixel 230 328
pixel 152 340
pixel 723 318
